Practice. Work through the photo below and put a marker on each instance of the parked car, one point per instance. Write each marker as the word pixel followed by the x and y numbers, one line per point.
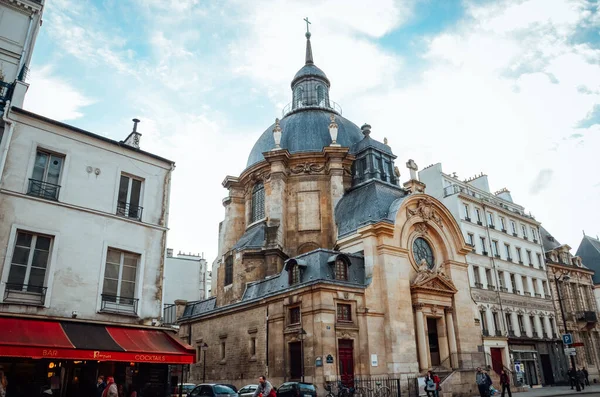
pixel 297 389
pixel 230 386
pixel 212 390
pixel 247 391
pixel 187 388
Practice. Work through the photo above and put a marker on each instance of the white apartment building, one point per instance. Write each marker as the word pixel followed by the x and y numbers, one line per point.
pixel 84 223
pixel 507 276
pixel 185 277
pixel 20 21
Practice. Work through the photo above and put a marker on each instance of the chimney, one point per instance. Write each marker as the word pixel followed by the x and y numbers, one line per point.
pixel 133 139
pixel 169 252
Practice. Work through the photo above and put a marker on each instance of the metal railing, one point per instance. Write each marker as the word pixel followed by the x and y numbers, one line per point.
pixel 538 295
pixel 498 332
pixel 43 189
pixel 479 285
pixel 534 334
pixel 586 316
pixel 327 105
pixel 503 289
pixel 511 333
pixel 129 211
pixel 5 91
pixel 25 294
pixel 485 332
pixel 169 314
pixel 119 304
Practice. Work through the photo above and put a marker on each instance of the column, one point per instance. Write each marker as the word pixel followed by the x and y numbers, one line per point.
pixel 515 322
pixel 421 337
pixel 519 283
pixel 489 318
pixel 527 324
pixel 443 340
pixel 451 338
pixel 538 326
pixel 548 327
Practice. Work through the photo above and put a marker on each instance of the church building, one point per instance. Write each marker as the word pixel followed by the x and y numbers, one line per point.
pixel 328 266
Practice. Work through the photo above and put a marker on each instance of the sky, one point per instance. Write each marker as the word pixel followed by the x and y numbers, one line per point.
pixel 508 88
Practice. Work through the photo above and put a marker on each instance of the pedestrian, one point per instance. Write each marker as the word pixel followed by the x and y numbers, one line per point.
pixel 484 382
pixel 100 386
pixel 265 388
pixel 505 383
pixel 572 377
pixel 581 378
pixel 586 375
pixel 3 382
pixel 111 389
pixel 437 381
pixel 430 386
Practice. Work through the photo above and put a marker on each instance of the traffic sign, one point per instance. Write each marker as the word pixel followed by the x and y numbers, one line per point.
pixel 570 351
pixel 567 339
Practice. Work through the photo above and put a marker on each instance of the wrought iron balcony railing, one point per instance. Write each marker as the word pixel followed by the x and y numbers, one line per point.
pixel 498 332
pixel 43 189
pixel 5 91
pixel 537 295
pixel 534 334
pixel 326 104
pixel 479 285
pixel 119 304
pixel 129 211
pixel 485 332
pixel 587 316
pixel 511 332
pixel 503 289
pixel 25 294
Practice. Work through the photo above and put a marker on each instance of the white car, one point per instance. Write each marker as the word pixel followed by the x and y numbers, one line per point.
pixel 247 391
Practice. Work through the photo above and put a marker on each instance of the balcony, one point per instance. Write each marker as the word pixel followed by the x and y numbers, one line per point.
pixel 509 259
pixel 43 189
pixel 520 262
pixel 515 235
pixel 587 317
pixel 24 294
pixel 535 241
pixel 467 219
pixel 479 285
pixel 511 333
pixel 534 334
pixel 538 295
pixel 129 211
pixel 479 223
pixel 492 226
pixel 497 256
pixel 525 238
pixel 119 304
pixel 484 253
pixel 5 92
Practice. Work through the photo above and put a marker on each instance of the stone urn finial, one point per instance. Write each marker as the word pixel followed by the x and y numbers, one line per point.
pixel 333 130
pixel 366 129
pixel 277 135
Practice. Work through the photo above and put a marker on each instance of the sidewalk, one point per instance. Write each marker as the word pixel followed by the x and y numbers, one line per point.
pixel 558 391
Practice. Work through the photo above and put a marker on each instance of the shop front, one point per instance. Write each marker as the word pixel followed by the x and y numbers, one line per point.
pixel 68 357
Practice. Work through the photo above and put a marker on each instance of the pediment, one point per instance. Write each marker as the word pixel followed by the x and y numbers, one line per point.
pixel 433 282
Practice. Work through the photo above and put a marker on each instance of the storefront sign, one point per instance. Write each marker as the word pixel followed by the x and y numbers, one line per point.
pixel 80 354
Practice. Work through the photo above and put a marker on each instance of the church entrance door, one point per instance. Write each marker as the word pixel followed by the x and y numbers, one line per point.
pixel 346 360
pixel 434 344
pixel 497 363
pixel 296 360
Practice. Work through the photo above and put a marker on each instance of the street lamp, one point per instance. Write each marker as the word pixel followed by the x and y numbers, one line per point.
pixel 302 336
pixel 204 348
pixel 565 277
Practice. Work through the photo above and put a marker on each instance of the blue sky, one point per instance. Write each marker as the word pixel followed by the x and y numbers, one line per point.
pixel 510 88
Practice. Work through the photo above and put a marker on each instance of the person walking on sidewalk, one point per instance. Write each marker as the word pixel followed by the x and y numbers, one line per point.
pixel 572 377
pixel 587 376
pixel 484 382
pixel 505 383
pixel 581 378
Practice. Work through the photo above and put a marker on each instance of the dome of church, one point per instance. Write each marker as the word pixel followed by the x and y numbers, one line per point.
pixel 306 131
pixel 305 125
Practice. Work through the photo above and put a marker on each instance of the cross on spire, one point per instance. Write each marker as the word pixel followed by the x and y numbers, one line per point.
pixel 307 27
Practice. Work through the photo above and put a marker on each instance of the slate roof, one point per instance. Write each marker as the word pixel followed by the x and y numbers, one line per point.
pixel 306 131
pixel 253 237
pixel 193 309
pixel 589 251
pixel 368 142
pixel 368 203
pixel 318 269
pixel 310 70
pixel 548 241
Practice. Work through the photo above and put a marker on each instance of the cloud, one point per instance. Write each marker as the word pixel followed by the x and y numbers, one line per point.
pixel 54 97
pixel 541 181
pixel 591 119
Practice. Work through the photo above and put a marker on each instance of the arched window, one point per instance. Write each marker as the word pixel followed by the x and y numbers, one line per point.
pixel 294 274
pixel 341 268
pixel 320 95
pixel 258 202
pixel 229 270
pixel 299 97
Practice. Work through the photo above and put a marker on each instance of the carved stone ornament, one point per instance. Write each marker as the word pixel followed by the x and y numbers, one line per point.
pixel 426 211
pixel 434 309
pixel 307 168
pixel 256 177
pixel 421 228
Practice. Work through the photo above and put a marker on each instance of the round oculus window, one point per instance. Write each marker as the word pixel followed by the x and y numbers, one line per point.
pixel 422 251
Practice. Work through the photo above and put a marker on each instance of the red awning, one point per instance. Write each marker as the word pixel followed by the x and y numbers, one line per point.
pixel 84 341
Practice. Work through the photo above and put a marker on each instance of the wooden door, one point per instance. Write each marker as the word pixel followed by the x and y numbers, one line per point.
pixel 296 360
pixel 346 361
pixel 496 359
